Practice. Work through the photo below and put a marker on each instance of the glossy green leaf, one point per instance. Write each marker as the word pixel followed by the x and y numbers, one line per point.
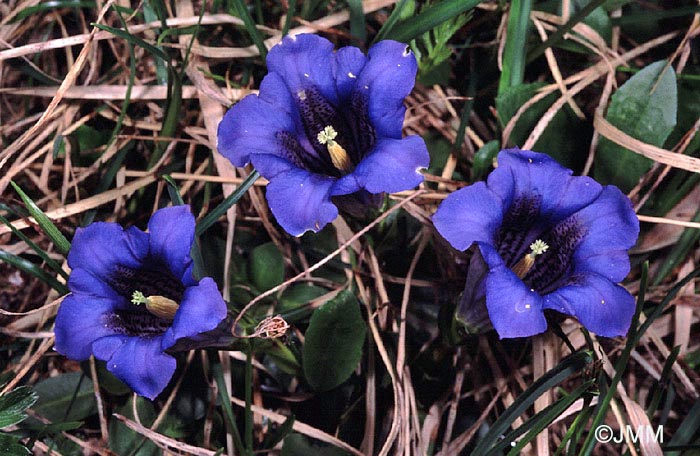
pixel 11 446
pixel 66 397
pixel 334 342
pixel 14 404
pixel 645 108
pixel 123 440
pixel 266 266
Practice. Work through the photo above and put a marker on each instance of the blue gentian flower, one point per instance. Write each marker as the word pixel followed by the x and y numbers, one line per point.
pixel 549 240
pixel 133 297
pixel 326 124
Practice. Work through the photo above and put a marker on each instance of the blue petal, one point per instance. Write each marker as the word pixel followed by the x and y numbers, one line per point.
pixel 172 234
pixel 393 165
pixel 252 124
pixel 102 246
pixel 514 309
pixel 85 283
pixel 611 229
pixel 350 62
pixel 138 362
pixel 300 201
pixel 270 165
pixel 202 309
pixel 388 78
pixel 305 60
pixel 80 321
pixel 471 214
pixel 600 305
pixel 527 174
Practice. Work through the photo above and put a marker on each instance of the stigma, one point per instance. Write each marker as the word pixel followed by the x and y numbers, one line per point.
pixel 525 264
pixel 160 306
pixel 339 157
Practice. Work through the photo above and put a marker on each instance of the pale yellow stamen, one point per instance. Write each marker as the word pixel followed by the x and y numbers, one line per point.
pixel 160 306
pixel 525 264
pixel 339 157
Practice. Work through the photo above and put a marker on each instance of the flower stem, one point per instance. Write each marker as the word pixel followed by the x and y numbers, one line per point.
pixel 248 430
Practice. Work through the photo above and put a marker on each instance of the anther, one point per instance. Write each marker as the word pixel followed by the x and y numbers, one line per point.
pixel 339 157
pixel 160 306
pixel 525 264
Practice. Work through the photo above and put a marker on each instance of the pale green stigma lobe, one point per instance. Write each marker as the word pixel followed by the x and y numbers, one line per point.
pixel 327 135
pixel 138 298
pixel 339 157
pixel 538 247
pixel 525 264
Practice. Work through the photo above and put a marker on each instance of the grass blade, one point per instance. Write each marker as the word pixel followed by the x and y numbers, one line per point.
pixel 135 40
pixel 357 21
pixel 569 366
pixel 44 222
pixel 429 18
pixel 242 12
pixel 50 262
pixel 232 199
pixel 516 44
pixel 31 268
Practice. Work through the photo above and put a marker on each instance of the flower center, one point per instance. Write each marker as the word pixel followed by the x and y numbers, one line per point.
pixel 160 306
pixel 336 135
pixel 339 157
pixel 526 263
pixel 153 293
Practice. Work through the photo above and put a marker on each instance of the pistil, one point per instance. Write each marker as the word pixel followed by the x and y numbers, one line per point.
pixel 339 157
pixel 525 264
pixel 160 306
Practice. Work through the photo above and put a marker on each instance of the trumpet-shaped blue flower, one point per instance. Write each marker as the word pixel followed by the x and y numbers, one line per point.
pixel 133 297
pixel 548 240
pixel 326 124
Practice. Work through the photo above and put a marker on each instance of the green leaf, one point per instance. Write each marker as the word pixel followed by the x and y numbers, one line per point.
pixel 645 108
pixel 31 268
pixel 173 191
pixel 279 434
pixel 483 159
pixel 66 397
pixel 135 40
pixel 50 262
pixel 567 367
pixel 429 18
pixel 266 266
pixel 13 405
pixel 241 11
pixel 230 200
pixel 44 222
pixel 11 446
pixel 123 440
pixel 334 342
pixel 516 45
pixel 293 302
pixel 566 137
